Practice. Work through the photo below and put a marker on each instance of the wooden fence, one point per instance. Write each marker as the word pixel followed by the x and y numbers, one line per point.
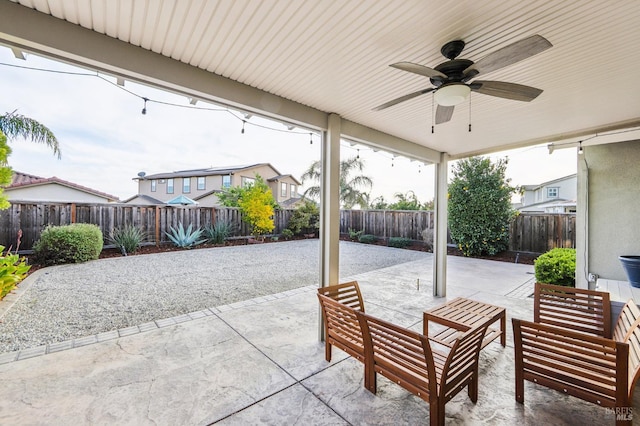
pixel 536 233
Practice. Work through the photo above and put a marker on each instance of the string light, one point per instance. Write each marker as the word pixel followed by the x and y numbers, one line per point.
pixel 580 150
pixel 310 138
pixel 144 108
pixel 243 123
pixel 358 156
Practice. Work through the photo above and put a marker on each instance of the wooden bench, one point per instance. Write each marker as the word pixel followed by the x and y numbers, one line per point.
pixel 568 353
pixel 431 369
pixel 341 327
pixel 470 313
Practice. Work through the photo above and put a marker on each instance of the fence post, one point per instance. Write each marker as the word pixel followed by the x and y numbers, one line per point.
pixel 73 212
pixel 157 225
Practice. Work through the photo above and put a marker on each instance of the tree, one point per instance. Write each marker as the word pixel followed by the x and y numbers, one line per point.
pixel 480 206
pixel 5 170
pixel 353 189
pixel 256 203
pixel 406 201
pixel 15 125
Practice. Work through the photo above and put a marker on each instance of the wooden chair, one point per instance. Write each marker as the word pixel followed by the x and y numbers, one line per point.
pixel 412 360
pixel 586 311
pixel 581 362
pixel 341 327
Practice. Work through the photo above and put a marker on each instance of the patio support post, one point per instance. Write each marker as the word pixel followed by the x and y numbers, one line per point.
pixel 330 207
pixel 440 228
pixel 582 226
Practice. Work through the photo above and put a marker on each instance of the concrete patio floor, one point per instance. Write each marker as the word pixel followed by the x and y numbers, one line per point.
pixel 260 362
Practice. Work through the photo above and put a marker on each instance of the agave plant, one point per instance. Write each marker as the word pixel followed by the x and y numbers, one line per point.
pixel 217 233
pixel 127 239
pixel 185 238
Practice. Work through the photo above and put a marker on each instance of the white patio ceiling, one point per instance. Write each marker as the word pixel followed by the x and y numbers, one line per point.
pixel 334 56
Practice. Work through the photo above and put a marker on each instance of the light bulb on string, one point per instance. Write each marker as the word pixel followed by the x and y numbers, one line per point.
pixel 243 122
pixel 310 138
pixel 144 108
pixel 358 156
pixel 580 150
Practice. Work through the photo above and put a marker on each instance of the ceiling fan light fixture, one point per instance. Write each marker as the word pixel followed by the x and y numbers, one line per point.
pixel 452 94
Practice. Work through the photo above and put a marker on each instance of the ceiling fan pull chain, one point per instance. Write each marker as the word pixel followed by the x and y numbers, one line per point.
pixel 433 112
pixel 469 113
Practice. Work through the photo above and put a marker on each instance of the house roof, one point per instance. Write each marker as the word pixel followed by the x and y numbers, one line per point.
pixel 280 177
pixel 550 182
pixel 295 62
pixel 147 198
pixel 211 171
pixel 25 180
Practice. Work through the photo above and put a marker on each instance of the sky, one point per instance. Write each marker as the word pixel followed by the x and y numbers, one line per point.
pixel 106 141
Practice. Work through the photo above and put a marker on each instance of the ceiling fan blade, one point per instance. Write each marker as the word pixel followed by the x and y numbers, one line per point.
pixel 444 113
pixel 403 98
pixel 501 89
pixel 511 54
pixel 418 69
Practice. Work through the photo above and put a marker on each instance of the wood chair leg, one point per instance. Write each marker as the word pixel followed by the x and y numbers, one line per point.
pixel 327 351
pixel 472 388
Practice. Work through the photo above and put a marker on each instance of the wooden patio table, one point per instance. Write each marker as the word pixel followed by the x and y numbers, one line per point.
pixel 470 313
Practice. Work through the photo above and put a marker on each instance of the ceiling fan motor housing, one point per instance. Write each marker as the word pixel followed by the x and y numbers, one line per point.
pixel 454 70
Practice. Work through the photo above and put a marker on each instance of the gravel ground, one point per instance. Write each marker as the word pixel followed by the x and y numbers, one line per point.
pixel 71 301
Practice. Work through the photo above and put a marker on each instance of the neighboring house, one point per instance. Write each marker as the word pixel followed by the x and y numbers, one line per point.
pixel 26 187
pixel 203 185
pixel 555 196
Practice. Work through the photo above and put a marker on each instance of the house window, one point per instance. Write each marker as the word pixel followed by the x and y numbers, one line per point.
pixel 552 192
pixel 154 184
pixel 169 186
pixel 293 191
pixel 201 183
pixel 246 181
pixel 186 185
pixel 226 181
pixel 283 189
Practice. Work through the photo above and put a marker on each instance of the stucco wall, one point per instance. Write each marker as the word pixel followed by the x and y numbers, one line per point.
pixel 614 206
pixel 54 193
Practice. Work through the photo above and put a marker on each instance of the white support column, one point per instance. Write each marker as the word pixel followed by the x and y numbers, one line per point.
pixel 582 226
pixel 440 228
pixel 330 207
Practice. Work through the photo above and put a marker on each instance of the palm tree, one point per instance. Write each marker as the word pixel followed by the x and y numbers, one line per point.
pixel 15 125
pixel 353 189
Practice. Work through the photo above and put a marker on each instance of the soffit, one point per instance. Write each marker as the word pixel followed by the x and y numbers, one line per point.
pixel 333 56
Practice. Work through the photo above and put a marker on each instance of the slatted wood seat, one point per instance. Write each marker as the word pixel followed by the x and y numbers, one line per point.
pixel 581 362
pixel 339 306
pixel 431 369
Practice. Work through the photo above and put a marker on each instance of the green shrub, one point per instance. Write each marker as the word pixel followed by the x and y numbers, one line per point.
pixel 557 266
pixel 128 238
pixel 218 232
pixel 399 242
pixel 354 235
pixel 367 238
pixel 305 219
pixel 287 233
pixel 75 243
pixel 185 238
pixel 13 269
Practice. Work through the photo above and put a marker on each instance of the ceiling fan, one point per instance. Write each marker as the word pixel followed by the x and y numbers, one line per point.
pixel 452 79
